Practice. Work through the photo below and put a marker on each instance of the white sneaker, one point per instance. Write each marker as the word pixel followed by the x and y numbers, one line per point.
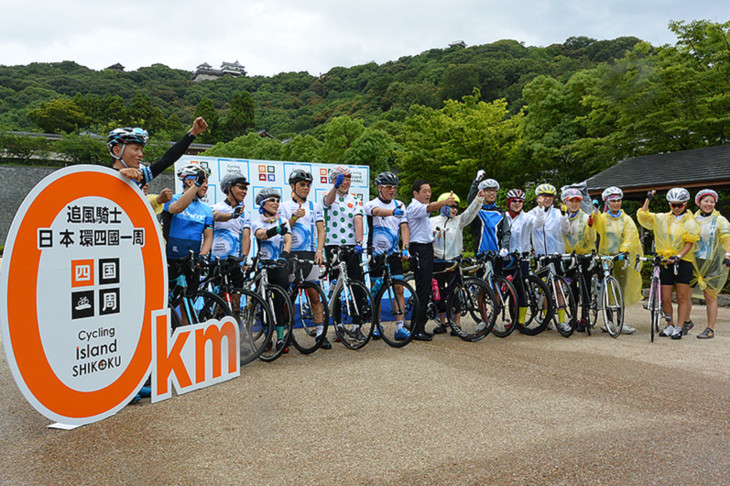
pixel 668 331
pixel 627 329
pixel 564 326
pixel 677 334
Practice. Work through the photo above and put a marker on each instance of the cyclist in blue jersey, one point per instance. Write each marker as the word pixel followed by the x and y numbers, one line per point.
pixel 126 148
pixel 186 220
pixel 490 229
pixel 306 220
pixel 387 223
pixel 272 233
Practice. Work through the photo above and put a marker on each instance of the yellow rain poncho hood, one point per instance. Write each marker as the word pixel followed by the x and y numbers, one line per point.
pixel 619 234
pixel 710 275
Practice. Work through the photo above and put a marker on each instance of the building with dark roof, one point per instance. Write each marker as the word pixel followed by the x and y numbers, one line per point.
pixel 691 169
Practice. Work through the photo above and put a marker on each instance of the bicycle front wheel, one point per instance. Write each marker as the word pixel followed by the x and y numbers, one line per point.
pixel 540 308
pixel 352 314
pixel 309 301
pixel 564 300
pixel 612 301
pixel 255 323
pixel 655 305
pixel 506 308
pixel 396 304
pixel 277 300
pixel 471 309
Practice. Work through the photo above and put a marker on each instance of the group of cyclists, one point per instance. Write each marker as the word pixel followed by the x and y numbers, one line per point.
pixel 695 248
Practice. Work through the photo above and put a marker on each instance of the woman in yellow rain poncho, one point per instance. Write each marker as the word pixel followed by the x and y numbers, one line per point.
pixel 675 234
pixel 711 251
pixel 618 234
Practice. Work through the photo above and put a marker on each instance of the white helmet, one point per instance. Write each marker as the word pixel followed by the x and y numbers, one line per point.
pixel 571 193
pixel 612 192
pixel 705 192
pixel 678 195
pixel 489 184
pixel 339 169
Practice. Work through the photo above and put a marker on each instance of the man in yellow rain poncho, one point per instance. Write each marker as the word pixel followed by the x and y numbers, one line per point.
pixel 675 234
pixel 581 239
pixel 712 254
pixel 618 234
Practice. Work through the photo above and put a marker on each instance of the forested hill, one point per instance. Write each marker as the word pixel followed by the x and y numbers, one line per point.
pixel 290 103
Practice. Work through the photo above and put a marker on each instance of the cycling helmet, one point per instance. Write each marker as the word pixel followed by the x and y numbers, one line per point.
pixel 571 193
pixel 266 193
pixel 299 175
pixel 704 192
pixel 190 171
pixel 489 184
pixel 126 135
pixel 446 196
pixel 339 169
pixel 546 190
pixel 231 180
pixel 678 195
pixel 386 179
pixel 612 192
pixel 515 194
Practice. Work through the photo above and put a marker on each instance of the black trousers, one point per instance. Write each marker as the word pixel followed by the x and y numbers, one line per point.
pixel 423 275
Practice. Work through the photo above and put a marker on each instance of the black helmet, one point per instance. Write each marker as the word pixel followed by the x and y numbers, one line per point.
pixel 266 193
pixel 386 179
pixel 299 175
pixel 231 180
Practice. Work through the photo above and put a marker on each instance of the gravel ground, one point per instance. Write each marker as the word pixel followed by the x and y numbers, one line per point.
pixel 520 410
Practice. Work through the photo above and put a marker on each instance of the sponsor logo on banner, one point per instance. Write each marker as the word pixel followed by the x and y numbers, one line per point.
pixel 84 290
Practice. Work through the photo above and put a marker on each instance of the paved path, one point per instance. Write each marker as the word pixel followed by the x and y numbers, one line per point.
pixel 520 410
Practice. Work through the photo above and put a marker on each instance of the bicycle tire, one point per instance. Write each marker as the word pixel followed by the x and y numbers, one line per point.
pixel 255 323
pixel 506 302
pixel 385 312
pixel 612 302
pixel 540 308
pixel 283 332
pixel 304 334
pixel 655 305
pixel 346 311
pixel 595 296
pixel 570 305
pixel 475 305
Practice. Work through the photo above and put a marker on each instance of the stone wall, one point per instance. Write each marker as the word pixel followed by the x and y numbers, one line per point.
pixel 19 181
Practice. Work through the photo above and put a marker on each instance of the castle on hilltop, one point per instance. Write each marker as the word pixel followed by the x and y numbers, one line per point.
pixel 205 71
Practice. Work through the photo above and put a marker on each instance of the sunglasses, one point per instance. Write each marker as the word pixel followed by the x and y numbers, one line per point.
pixel 518 201
pixel 389 188
pixel 273 200
pixel 677 205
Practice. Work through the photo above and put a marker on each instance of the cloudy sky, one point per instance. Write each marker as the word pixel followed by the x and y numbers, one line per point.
pixel 274 36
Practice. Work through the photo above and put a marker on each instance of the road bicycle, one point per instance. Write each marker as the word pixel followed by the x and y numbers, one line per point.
pixel 585 291
pixel 503 290
pixel 350 303
pixel 560 294
pixel 394 304
pixel 532 293
pixel 189 304
pixel 306 299
pixel 611 301
pixel 255 318
pixel 654 302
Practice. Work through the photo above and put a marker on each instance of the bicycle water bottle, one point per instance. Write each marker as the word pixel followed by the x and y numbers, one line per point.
pixel 435 290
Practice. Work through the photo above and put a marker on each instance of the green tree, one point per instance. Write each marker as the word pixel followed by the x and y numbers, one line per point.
pixel 241 117
pixel 82 149
pixel 206 109
pixel 302 149
pixel 58 115
pixel 340 133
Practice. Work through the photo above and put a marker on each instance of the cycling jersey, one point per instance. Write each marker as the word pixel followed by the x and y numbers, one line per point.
pixel 671 233
pixel 340 220
pixel 227 234
pixel 184 231
pixel 304 231
pixel 709 273
pixel 490 230
pixel 384 231
pixel 270 249
pixel 547 238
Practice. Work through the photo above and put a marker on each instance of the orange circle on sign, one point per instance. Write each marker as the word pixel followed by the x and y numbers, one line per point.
pixel 22 302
